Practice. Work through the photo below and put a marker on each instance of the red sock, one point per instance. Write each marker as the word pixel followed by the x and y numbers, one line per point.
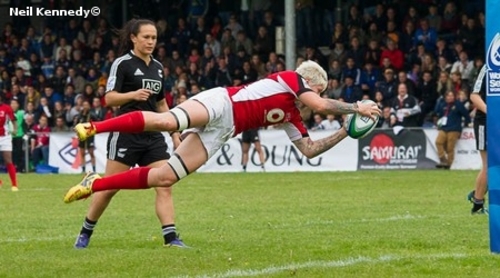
pixel 132 122
pixel 12 173
pixel 136 178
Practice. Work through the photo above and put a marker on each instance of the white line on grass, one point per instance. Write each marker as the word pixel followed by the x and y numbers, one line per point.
pixel 328 264
pixel 399 217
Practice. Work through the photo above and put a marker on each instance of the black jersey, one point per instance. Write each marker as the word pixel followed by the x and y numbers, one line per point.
pixel 129 73
pixel 480 88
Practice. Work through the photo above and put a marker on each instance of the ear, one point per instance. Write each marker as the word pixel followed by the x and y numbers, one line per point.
pixel 133 38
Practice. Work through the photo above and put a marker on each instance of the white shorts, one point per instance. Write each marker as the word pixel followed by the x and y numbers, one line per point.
pixel 220 127
pixel 5 143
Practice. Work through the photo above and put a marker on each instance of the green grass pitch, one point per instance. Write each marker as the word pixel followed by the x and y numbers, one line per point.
pixel 352 224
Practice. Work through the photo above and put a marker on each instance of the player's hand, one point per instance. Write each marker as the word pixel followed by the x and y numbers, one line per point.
pixel 142 94
pixel 369 110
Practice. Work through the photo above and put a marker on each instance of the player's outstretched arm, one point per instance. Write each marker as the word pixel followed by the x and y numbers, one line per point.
pixel 332 106
pixel 311 148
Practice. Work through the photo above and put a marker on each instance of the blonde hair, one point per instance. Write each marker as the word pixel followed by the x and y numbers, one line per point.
pixel 313 72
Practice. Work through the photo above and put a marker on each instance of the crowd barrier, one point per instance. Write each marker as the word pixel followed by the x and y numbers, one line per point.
pixel 382 149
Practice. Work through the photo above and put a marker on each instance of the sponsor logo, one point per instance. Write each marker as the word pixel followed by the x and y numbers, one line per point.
pixel 384 150
pixel 138 72
pixel 493 69
pixel 153 85
pixel 275 115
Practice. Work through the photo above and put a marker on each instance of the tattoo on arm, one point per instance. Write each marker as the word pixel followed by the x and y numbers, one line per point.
pixel 339 107
pixel 312 148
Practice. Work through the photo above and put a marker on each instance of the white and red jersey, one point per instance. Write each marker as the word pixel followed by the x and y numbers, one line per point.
pixel 6 115
pixel 270 101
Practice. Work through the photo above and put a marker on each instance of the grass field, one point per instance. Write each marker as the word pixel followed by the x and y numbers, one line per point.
pixel 364 224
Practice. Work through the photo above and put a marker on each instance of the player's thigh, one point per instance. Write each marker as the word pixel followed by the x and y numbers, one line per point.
pixel 245 147
pixel 257 145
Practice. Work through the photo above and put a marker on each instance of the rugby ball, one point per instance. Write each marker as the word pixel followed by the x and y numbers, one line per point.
pixel 358 126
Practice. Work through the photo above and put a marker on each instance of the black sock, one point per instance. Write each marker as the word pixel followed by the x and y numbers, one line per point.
pixel 88 227
pixel 93 168
pixel 83 169
pixel 244 167
pixel 169 233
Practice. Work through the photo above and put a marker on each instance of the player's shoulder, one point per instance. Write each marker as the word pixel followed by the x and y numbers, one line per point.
pixel 122 60
pixel 157 63
pixel 285 73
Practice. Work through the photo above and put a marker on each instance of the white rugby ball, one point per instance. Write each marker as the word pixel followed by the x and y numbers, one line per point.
pixel 358 126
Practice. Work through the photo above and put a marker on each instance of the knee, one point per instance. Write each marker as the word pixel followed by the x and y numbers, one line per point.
pixel 160 122
pixel 165 181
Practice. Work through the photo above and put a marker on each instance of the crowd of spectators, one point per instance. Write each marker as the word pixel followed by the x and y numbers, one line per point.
pixel 431 47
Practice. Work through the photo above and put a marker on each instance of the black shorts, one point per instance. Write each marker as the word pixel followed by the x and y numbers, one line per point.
pixel 480 134
pixel 89 143
pixel 138 148
pixel 250 136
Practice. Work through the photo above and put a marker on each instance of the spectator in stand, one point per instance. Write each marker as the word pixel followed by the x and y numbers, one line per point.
pixel 405 110
pixel 352 70
pixel 379 100
pixel 427 94
pixel 32 96
pixel 258 66
pixel 350 92
pixel 63 44
pixel 330 123
pixel 338 53
pixel 60 125
pixel 198 34
pixel 356 52
pixel 407 38
pixel 40 144
pixel 449 23
pixel 388 85
pixel 372 54
pixel 374 33
pixel 16 93
pixel 318 119
pixel 426 36
pixel 434 18
pixel 213 44
pixel 45 108
pixel 478 64
pixel 242 40
pixel 334 89
pixel 443 65
pixel 87 34
pixel 458 82
pixel 450 113
pixel 393 54
pixel 58 81
pixel 263 42
pixel 464 66
pixel 410 85
pixel 48 67
pixel 370 76
pixel 385 120
pixel 73 111
pixel 442 50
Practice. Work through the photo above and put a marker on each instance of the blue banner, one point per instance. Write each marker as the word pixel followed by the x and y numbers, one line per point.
pixel 493 128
